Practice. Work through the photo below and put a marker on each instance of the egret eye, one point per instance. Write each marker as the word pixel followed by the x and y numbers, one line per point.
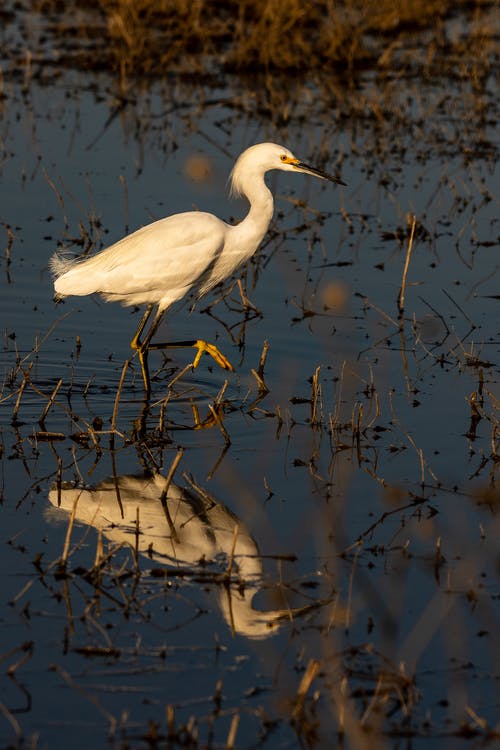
pixel 283 157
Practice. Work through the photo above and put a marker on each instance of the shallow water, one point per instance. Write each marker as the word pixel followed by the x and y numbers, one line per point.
pixel 367 497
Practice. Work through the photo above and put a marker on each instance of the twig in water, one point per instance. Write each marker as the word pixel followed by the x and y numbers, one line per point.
pixel 10 242
pixel 312 670
pixel 401 295
pixel 356 421
pixel 26 376
pixel 470 322
pixel 12 721
pixel 137 533
pixel 50 403
pixel 218 399
pixel 230 563
pixel 64 556
pixel 244 299
pixel 99 550
pixel 218 462
pixel 316 399
pixel 438 314
pixel 170 475
pixel 215 414
pixel 232 732
pixel 170 722
pixel 334 419
pixel 58 196
pixel 180 374
pixel 366 301
pixel 259 373
pixel 438 560
pixel 118 395
pixel 419 451
pixel 164 495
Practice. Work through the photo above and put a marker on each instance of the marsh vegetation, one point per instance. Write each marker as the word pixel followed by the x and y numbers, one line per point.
pixel 303 553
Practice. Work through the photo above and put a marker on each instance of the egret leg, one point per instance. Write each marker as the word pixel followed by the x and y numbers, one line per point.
pixel 135 343
pixel 141 347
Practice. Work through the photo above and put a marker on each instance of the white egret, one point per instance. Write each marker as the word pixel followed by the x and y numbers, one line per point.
pixel 160 263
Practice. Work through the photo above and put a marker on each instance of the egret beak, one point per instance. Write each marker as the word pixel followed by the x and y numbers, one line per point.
pixel 301 167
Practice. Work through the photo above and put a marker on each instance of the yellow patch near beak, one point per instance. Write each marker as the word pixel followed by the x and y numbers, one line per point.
pixel 289 160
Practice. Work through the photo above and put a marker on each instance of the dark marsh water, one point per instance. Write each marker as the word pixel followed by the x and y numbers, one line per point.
pixel 347 518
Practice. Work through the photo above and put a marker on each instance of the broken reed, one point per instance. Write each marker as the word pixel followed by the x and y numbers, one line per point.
pixel 402 291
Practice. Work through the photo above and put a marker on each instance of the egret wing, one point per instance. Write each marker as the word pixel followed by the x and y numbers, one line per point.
pixel 158 263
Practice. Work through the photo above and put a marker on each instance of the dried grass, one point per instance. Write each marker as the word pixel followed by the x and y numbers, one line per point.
pixel 158 37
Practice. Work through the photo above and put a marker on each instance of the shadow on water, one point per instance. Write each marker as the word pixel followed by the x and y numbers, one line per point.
pixel 354 450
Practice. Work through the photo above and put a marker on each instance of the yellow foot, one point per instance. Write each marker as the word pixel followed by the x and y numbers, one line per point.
pixel 205 348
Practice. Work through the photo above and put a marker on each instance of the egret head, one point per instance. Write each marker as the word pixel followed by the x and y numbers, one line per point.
pixel 262 157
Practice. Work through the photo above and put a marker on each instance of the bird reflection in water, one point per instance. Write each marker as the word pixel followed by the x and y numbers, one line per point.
pixel 177 527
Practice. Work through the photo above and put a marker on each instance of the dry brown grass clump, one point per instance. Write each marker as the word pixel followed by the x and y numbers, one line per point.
pixel 154 37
